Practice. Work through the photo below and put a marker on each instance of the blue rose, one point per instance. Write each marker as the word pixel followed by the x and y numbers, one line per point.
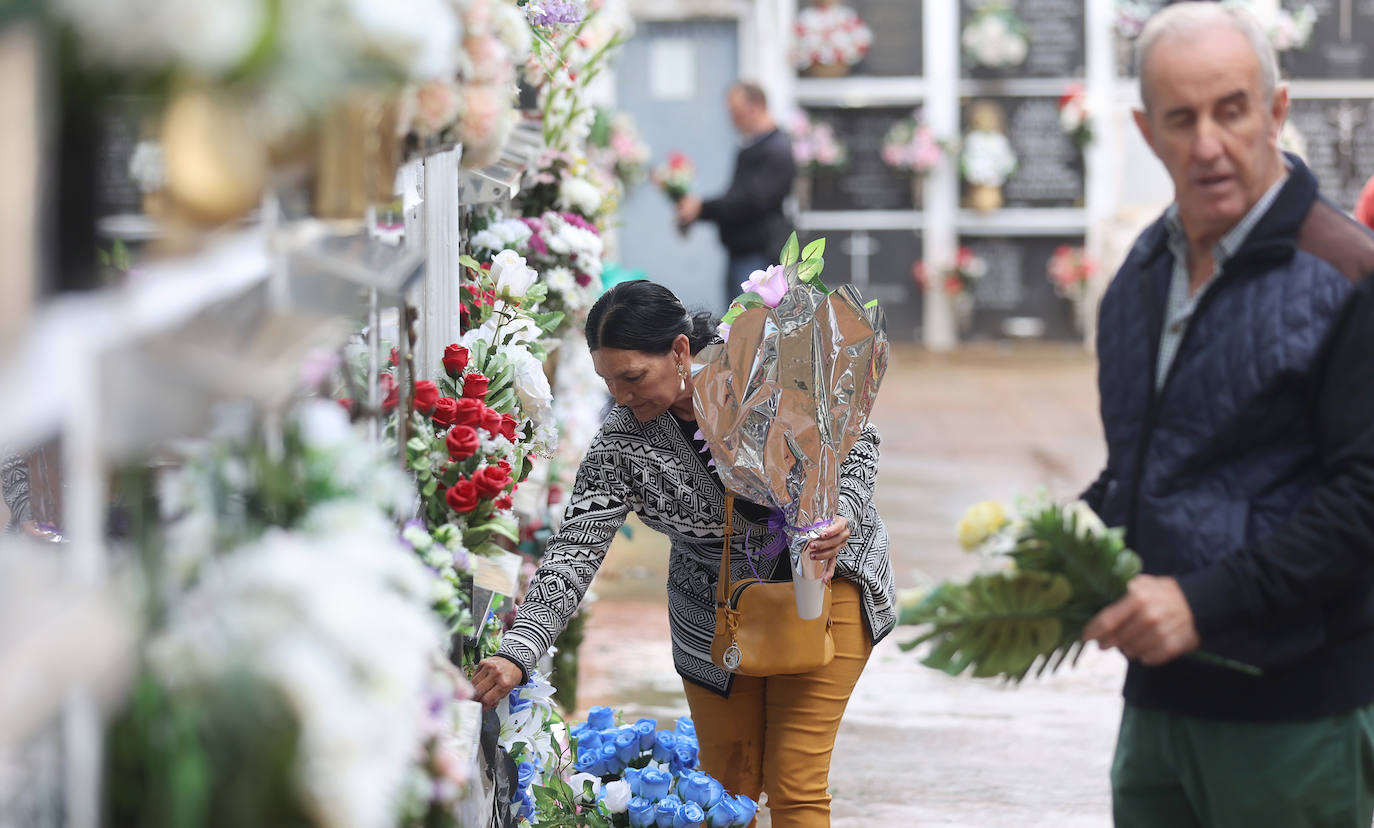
pixel 589 761
pixel 524 775
pixel 646 729
pixel 631 775
pixel 715 792
pixel 686 727
pixel 664 743
pixel 653 784
pixel 689 815
pixel 684 758
pixel 611 758
pixel 579 730
pixel 627 744
pixel 692 787
pixel 601 718
pixel 641 812
pixel 666 812
pixel 689 741
pixel 589 742
pixel 747 808
pixel 723 814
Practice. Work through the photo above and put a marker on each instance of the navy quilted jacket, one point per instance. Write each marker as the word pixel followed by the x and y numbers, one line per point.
pixel 1250 475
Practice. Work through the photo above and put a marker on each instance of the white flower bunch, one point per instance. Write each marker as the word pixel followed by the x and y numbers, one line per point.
pixel 513 277
pixel 510 233
pixel 987 158
pixel 578 194
pixel 338 625
pixel 995 38
pixel 527 718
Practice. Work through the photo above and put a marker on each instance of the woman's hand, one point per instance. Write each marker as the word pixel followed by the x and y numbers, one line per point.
pixel 827 547
pixel 494 679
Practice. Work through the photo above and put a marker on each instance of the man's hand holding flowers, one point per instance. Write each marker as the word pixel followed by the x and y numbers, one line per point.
pixel 1152 623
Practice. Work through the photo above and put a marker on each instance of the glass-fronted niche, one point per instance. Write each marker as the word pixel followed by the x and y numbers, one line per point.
pixel 880 264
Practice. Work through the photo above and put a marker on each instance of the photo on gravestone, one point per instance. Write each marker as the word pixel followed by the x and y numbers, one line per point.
pixel 1337 143
pixel 878 263
pixel 1342 42
pixel 1054 35
pixel 866 183
pixel 1015 298
pixel 1049 167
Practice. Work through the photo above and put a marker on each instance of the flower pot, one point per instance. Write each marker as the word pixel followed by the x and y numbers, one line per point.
pixel 918 191
pixel 985 197
pixel 356 156
pixel 826 70
pixel 962 305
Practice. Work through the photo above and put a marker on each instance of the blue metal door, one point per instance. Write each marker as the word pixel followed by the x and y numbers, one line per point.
pixel 673 78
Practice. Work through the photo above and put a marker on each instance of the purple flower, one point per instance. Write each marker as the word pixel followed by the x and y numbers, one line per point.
pixel 553 12
pixel 577 221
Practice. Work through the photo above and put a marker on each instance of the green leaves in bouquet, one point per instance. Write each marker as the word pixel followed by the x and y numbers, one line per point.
pixel 997 624
pixel 809 261
pixel 557 806
pixel 1002 624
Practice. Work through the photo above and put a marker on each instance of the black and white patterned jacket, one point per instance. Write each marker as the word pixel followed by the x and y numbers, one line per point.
pixel 651 469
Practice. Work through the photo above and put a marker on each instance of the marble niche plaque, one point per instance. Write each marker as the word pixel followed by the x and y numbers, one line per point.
pixel 878 263
pixel 1049 171
pixel 1016 293
pixel 1055 32
pixel 866 183
pixel 1339 144
pixel 1342 44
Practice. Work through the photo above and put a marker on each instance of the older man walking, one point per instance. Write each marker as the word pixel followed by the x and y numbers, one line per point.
pixel 1236 350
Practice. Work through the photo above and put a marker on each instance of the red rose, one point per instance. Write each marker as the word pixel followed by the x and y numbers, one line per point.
pixel 468 412
pixel 491 481
pixel 395 356
pixel 504 465
pixel 462 497
pixel 505 501
pixel 491 421
pixel 445 411
pixel 462 442
pixel 347 404
pixel 426 395
pixel 475 386
pixel 389 391
pixel 455 360
pixel 508 427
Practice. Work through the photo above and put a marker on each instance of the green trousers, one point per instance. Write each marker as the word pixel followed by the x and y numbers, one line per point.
pixel 1174 771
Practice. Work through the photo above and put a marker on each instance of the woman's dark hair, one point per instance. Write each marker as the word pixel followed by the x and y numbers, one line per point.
pixel 644 316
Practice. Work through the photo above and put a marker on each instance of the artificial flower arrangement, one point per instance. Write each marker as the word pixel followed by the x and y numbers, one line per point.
pixel 569 53
pixel 473 104
pixel 563 183
pixel 1074 117
pixel 635 776
pixel 814 145
pixel 910 145
pixel 615 144
pixel 1130 17
pixel 675 176
pixel 959 277
pixel 830 38
pixel 1069 270
pixel 566 250
pixel 1055 567
pixel 996 37
pixel 1288 28
pixel 987 161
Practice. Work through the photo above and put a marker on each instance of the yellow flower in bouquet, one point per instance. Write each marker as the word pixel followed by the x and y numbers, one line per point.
pixel 981 522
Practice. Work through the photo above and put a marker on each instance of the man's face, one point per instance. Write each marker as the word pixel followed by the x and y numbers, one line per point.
pixel 741 113
pixel 1209 123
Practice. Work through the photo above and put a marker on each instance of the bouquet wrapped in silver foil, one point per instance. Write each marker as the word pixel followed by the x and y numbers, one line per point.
pixel 783 400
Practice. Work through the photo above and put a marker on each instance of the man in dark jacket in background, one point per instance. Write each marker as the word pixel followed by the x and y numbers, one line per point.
pixel 1236 350
pixel 749 215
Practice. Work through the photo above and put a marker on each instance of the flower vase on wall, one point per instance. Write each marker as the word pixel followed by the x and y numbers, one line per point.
pixel 961 304
pixel 826 70
pixel 918 191
pixel 985 197
pixel 356 156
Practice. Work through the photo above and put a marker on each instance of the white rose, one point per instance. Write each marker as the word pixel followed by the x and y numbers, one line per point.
pixel 617 796
pixel 531 384
pixel 513 277
pixel 578 781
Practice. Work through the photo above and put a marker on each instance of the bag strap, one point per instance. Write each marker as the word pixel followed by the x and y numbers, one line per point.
pixel 723 582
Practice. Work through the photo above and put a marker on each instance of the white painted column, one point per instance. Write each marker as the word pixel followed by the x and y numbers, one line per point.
pixel 940 239
pixel 439 320
pixel 1101 156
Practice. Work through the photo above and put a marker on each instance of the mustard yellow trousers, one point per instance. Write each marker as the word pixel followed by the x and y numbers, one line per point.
pixel 774 735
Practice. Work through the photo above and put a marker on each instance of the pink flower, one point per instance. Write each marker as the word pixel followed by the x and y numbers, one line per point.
pixel 436 106
pixel 491 60
pixel 770 285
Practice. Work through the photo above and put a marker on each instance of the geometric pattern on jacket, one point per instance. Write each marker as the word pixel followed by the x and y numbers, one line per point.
pixel 651 469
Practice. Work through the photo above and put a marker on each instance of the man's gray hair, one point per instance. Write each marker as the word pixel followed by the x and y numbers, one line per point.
pixel 1197 19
